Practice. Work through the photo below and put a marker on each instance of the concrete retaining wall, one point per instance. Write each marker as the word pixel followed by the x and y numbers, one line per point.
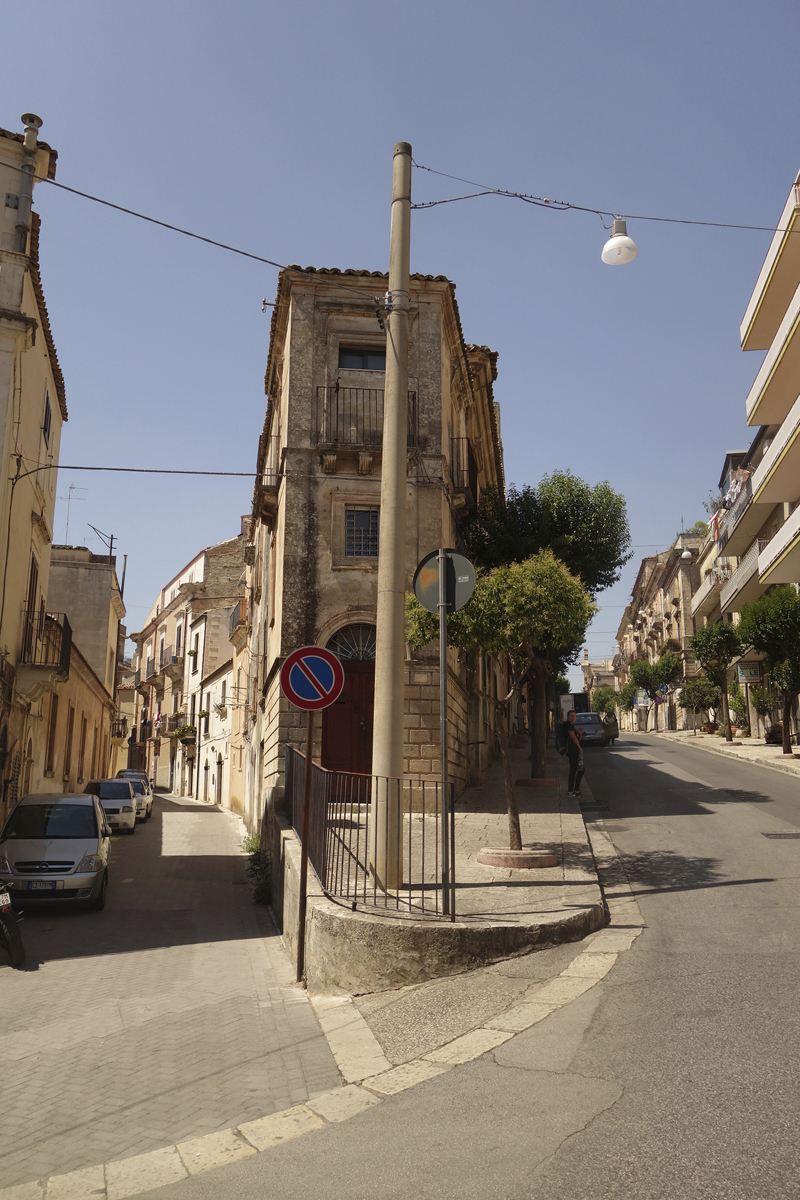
pixel 357 952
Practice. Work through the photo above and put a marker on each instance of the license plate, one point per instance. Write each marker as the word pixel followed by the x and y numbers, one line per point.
pixel 37 885
pixel 4 899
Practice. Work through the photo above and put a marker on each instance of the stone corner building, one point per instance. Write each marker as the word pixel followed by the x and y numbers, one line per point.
pixel 312 551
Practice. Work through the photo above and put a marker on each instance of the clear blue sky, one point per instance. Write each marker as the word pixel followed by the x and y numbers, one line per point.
pixel 271 126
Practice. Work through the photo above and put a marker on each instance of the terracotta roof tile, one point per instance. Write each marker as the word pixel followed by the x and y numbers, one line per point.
pixel 36 280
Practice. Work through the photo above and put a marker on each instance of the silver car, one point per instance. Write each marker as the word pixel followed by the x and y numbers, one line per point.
pixel 118 801
pixel 141 787
pixel 56 848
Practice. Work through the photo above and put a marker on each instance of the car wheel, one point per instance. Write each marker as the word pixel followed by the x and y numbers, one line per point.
pixel 99 902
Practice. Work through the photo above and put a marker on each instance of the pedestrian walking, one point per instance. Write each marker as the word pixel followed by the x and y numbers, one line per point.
pixel 571 737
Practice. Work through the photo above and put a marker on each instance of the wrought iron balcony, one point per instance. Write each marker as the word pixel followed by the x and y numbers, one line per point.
pixel 237 624
pixel 464 471
pixel 119 729
pixel 46 641
pixel 354 417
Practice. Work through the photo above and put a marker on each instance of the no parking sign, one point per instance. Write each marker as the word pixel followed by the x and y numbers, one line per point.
pixel 312 678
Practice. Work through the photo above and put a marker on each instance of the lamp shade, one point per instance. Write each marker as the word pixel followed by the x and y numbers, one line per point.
pixel 619 249
pixel 687 556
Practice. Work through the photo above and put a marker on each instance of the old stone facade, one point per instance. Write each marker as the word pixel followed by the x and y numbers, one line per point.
pixel 313 541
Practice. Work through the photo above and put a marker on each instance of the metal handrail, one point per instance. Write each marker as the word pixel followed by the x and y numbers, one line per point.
pixel 735 513
pixel 342 832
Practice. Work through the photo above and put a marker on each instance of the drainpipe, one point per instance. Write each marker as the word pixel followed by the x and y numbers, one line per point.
pixel 32 125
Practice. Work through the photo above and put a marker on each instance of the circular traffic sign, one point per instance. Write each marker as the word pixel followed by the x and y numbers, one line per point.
pixel 312 678
pixel 459 581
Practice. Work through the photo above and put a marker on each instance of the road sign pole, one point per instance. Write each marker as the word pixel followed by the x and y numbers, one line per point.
pixel 301 906
pixel 445 806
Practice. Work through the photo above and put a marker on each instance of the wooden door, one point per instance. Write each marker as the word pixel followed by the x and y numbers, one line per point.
pixel 347 724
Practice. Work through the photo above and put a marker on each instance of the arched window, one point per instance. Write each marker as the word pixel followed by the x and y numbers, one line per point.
pixel 354 642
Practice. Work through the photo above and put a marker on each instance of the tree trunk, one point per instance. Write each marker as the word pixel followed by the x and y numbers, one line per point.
pixel 726 713
pixel 537 691
pixel 787 714
pixel 514 831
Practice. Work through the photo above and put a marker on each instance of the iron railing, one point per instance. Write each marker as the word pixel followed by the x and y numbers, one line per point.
pixel 735 513
pixel 343 846
pixel 46 640
pixel 119 728
pixel 238 618
pixel 151 668
pixel 272 462
pixel 354 417
pixel 463 466
pixel 746 568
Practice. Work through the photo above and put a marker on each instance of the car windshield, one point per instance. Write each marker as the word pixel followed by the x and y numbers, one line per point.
pixel 51 821
pixel 110 789
pixel 587 719
pixel 138 787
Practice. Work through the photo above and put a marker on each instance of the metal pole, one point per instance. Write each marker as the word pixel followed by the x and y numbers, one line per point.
pixel 388 732
pixel 301 906
pixel 442 560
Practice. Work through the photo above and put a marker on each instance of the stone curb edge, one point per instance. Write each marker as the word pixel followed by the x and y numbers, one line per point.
pixel 369 1076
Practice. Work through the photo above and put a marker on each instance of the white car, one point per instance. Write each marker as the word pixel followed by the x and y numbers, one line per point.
pixel 143 797
pixel 56 848
pixel 117 800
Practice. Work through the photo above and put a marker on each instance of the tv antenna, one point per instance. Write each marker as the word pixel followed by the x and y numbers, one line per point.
pixel 73 487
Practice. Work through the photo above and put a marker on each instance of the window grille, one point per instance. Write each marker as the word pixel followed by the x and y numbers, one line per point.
pixel 361 532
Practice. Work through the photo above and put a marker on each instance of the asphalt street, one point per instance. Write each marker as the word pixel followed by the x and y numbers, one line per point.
pixel 675 1078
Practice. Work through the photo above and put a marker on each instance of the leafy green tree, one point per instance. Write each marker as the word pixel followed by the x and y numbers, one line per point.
pixel 604 700
pixel 763 702
pixel 651 677
pixel 517 611
pixel 699 529
pixel 771 625
pixel 627 696
pixel 561 685
pixel 586 527
pixel 715 647
pixel 698 695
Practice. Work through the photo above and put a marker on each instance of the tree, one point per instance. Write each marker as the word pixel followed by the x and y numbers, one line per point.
pixel 771 626
pixel 651 677
pixel 699 529
pixel 763 702
pixel 737 703
pixel 698 695
pixel 715 647
pixel 627 696
pixel 517 611
pixel 586 527
pixel 604 700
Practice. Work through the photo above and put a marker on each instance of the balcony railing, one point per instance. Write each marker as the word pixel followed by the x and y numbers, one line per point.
pixel 735 514
pixel 747 567
pixel 119 729
pixel 46 640
pixel 165 657
pixel 272 462
pixel 716 579
pixel 354 417
pixel 151 668
pixel 463 467
pixel 238 618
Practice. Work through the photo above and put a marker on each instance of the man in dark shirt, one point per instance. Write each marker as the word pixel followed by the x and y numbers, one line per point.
pixel 573 736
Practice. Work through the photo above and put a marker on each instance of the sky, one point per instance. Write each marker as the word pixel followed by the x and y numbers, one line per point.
pixel 270 126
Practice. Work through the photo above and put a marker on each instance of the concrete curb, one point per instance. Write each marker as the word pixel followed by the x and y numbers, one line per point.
pixel 792 768
pixel 370 1078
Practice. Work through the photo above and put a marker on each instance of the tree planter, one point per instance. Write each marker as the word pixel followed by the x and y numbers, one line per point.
pixel 528 858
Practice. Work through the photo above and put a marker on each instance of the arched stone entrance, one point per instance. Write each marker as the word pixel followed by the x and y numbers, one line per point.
pixel 347 724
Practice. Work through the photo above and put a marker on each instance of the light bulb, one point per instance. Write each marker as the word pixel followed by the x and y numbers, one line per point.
pixel 619 249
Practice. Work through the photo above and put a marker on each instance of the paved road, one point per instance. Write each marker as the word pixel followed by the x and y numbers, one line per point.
pixel 172 1013
pixel 675 1078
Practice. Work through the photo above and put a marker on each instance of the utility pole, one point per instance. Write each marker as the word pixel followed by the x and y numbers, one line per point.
pixel 388 732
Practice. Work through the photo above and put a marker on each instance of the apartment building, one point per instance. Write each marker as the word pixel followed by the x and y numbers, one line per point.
pixel 179 650
pixel 658 618
pixel 313 543
pixel 35 643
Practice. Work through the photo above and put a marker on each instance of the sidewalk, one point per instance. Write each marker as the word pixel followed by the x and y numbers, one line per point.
pixel 752 750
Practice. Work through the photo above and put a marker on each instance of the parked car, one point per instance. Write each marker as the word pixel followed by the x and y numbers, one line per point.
pixel 144 799
pixel 56 848
pixel 591 726
pixel 118 801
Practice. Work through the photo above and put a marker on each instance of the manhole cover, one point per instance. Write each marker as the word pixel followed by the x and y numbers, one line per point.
pixel 782 836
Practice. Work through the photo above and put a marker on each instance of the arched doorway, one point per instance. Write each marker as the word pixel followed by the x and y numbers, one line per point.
pixel 347 724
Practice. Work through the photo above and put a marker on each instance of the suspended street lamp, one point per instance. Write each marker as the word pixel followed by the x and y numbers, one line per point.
pixel 619 249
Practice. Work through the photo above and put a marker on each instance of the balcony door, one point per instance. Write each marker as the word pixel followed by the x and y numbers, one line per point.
pixel 347 724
